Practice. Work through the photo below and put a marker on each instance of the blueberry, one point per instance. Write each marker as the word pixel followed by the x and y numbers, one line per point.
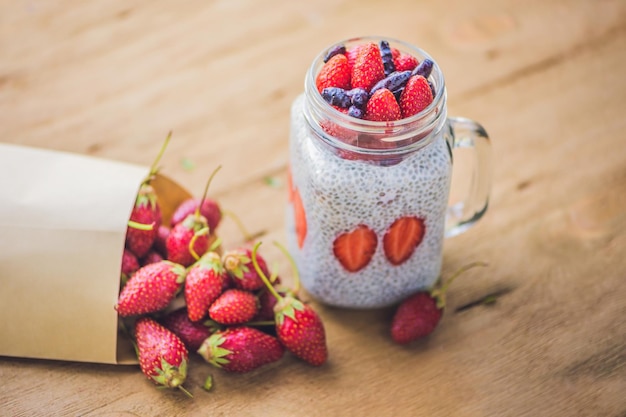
pixel 387 56
pixel 397 93
pixel 424 68
pixel 336 96
pixel 358 97
pixel 335 50
pixel 393 81
pixel 355 112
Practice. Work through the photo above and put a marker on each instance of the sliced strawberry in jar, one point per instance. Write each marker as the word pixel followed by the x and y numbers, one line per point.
pixel 355 249
pixel 402 238
pixel 299 218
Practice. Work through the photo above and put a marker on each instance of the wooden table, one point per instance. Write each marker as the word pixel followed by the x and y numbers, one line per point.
pixel 547 80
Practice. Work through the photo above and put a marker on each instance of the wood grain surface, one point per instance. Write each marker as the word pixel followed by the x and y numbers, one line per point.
pixel 547 80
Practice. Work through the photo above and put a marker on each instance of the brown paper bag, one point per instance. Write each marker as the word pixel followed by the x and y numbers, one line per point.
pixel 63 223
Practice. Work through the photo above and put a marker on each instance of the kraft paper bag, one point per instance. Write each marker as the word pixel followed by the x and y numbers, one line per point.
pixel 63 220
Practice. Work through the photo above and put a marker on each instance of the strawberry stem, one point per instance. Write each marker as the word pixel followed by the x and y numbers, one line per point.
pixel 153 168
pixel 140 226
pixel 261 323
pixel 440 293
pixel 206 189
pixel 247 237
pixel 294 267
pixel 192 242
pixel 183 389
pixel 264 278
pixel 274 274
pixel 216 244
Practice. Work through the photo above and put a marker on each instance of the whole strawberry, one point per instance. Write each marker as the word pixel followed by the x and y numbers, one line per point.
pixel 189 239
pixel 145 212
pixel 151 257
pixel 191 333
pixel 298 327
pixel 239 266
pixel 368 67
pixel 267 301
pixel 416 317
pixel 234 306
pixel 130 264
pixel 419 314
pixel 382 107
pixel 209 208
pixel 150 289
pixel 159 242
pixel 416 96
pixel 203 285
pixel 162 355
pixel 334 73
pixel 241 349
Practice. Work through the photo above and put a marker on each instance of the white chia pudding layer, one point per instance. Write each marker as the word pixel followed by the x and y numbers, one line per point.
pixel 340 194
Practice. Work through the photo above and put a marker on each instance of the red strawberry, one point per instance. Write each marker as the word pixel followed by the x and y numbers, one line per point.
pixel 238 264
pixel 353 52
pixel 416 96
pixel 382 107
pixel 146 212
pixel 150 289
pixel 301 330
pixel 267 301
pixel 210 209
pixel 192 334
pixel 151 257
pixel 403 236
pixel 180 248
pixel 395 53
pixel 354 249
pixel 159 242
pixel 419 314
pixel 234 306
pixel 130 264
pixel 405 62
pixel 368 67
pixel 189 239
pixel 203 285
pixel 241 349
pixel 298 326
pixel 162 355
pixel 334 73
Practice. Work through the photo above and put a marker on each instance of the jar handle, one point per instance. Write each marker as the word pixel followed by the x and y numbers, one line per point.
pixel 468 139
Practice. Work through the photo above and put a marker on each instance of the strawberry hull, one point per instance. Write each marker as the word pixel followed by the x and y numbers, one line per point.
pixel 69 213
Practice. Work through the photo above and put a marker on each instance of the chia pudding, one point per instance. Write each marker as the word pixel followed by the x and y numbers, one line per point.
pixel 367 198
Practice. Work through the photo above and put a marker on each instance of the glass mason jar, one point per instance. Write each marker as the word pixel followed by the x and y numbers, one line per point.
pixel 368 207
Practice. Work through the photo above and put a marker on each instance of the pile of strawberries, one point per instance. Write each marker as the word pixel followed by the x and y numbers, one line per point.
pixel 375 82
pixel 234 312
